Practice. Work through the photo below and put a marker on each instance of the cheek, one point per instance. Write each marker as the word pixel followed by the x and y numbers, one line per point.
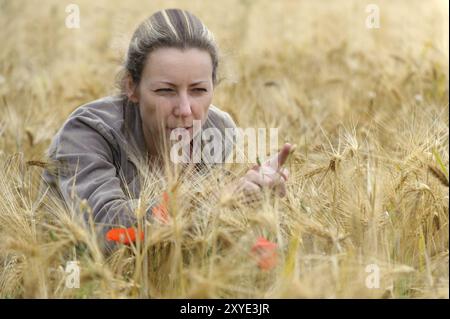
pixel 162 107
pixel 155 106
pixel 201 109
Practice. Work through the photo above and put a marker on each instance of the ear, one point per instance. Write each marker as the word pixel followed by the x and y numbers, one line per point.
pixel 131 89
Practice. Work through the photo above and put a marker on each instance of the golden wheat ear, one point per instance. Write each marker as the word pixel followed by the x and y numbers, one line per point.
pixel 438 174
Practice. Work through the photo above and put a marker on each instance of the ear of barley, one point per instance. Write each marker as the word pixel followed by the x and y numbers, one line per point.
pixel 439 175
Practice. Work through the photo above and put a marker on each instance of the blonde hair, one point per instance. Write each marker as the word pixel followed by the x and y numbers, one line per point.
pixel 169 28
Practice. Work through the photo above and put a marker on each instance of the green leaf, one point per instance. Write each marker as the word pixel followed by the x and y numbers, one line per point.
pixel 439 161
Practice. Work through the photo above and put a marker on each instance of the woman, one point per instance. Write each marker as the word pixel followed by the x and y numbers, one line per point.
pixel 168 82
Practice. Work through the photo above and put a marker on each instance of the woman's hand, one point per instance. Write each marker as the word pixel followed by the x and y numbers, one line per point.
pixel 269 174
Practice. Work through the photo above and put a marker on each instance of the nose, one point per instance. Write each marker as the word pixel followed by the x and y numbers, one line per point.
pixel 184 106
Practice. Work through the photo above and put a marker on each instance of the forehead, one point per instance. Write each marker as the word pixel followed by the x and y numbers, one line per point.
pixel 172 64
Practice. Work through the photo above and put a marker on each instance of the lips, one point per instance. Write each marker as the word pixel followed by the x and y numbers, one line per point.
pixel 185 127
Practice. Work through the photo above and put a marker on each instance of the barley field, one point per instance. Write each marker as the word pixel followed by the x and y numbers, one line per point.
pixel 366 211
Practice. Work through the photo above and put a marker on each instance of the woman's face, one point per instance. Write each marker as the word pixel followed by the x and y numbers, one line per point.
pixel 176 88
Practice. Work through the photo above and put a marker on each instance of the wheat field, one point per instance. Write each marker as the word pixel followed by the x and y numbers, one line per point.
pixel 368 188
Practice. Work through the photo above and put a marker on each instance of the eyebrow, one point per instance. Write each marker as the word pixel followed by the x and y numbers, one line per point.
pixel 169 83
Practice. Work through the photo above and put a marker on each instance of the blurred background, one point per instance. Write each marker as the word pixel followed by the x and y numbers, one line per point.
pixel 367 108
pixel 320 56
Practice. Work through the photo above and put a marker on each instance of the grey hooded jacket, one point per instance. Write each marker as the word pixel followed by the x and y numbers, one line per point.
pixel 98 149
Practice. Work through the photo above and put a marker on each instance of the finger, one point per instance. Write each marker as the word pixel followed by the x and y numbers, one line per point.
pixel 282 189
pixel 284 172
pixel 251 193
pixel 267 177
pixel 251 187
pixel 246 184
pixel 280 158
pixel 278 176
pixel 258 178
pixel 279 179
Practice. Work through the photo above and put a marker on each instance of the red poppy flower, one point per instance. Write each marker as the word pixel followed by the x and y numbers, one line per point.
pixel 123 235
pixel 266 253
pixel 161 212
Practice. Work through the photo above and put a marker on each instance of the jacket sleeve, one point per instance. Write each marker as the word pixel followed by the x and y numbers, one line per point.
pixel 84 155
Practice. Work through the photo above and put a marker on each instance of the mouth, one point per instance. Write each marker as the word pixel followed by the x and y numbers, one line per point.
pixel 189 129
pixel 180 127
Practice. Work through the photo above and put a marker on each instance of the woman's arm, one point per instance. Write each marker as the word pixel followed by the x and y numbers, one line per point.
pixel 87 171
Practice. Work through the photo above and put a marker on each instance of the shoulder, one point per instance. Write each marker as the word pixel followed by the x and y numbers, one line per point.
pixel 104 116
pixel 105 111
pixel 219 118
pixel 97 120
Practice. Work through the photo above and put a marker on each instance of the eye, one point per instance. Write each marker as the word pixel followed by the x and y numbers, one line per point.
pixel 164 90
pixel 200 90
